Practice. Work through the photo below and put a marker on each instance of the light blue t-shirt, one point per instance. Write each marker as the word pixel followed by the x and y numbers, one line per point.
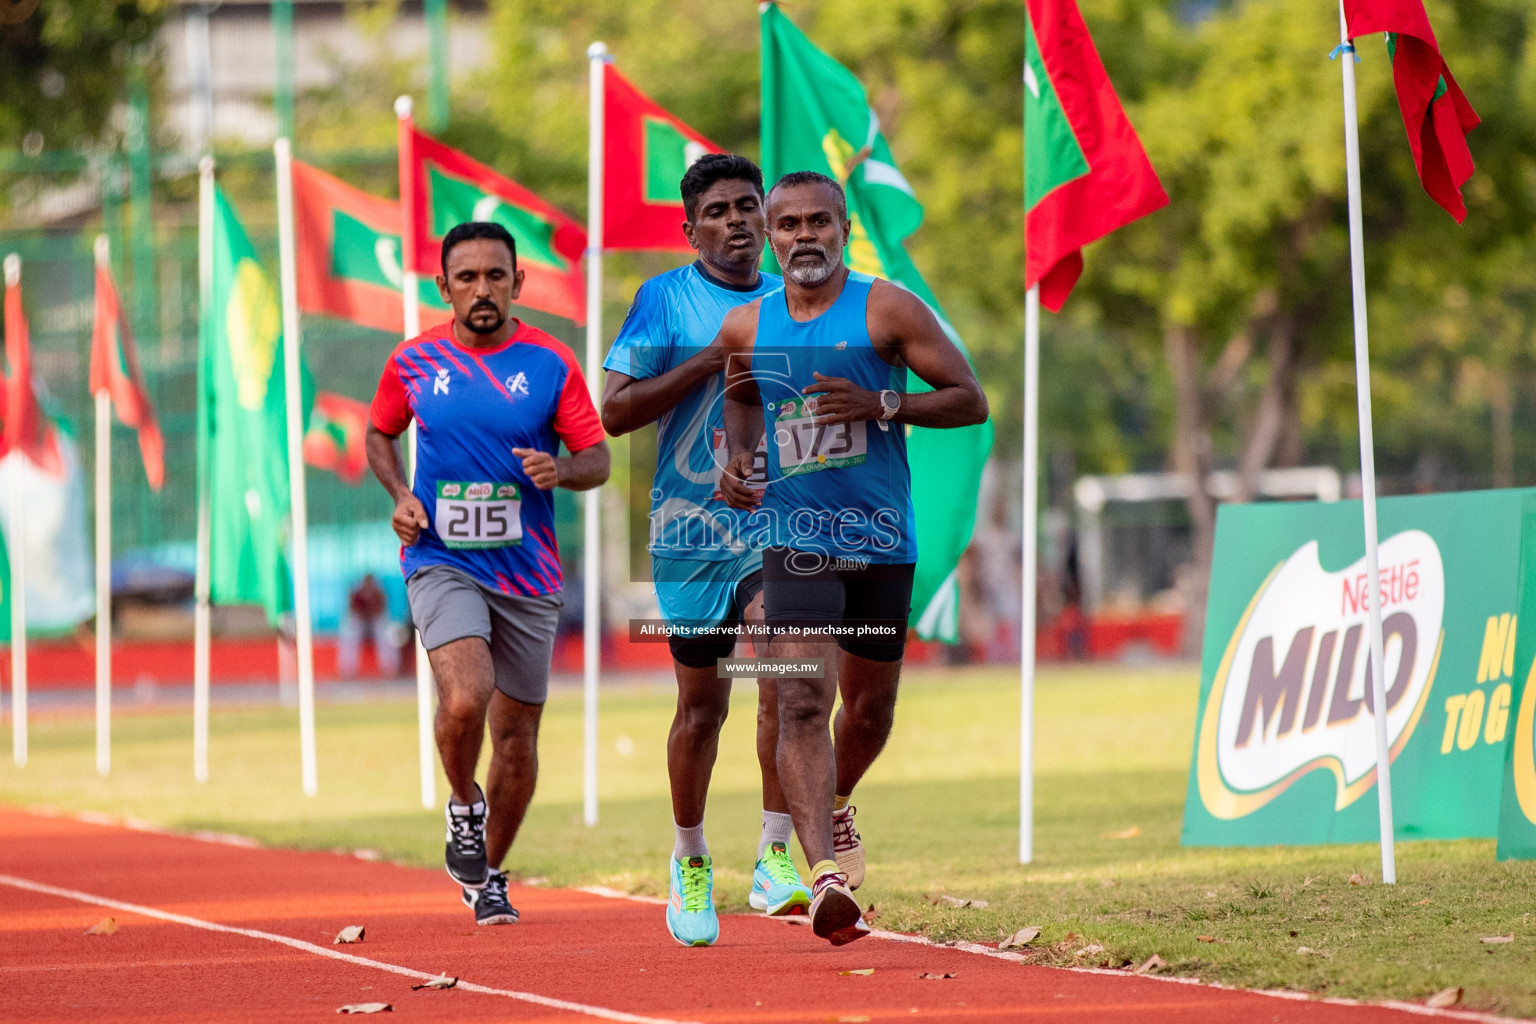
pixel 674 316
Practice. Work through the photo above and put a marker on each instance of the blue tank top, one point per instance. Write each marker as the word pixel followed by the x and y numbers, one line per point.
pixel 843 489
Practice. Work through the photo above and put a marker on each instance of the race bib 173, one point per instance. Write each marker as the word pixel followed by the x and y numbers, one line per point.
pixel 807 445
pixel 476 514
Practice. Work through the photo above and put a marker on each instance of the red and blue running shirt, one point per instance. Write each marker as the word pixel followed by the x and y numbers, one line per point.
pixel 472 407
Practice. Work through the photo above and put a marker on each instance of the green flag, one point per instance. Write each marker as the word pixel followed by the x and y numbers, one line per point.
pixel 815 118
pixel 242 438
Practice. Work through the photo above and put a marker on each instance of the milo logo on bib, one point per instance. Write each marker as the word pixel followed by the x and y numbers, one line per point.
pixel 808 446
pixel 478 514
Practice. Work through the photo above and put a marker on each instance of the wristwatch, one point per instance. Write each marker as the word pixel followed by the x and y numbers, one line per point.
pixel 890 402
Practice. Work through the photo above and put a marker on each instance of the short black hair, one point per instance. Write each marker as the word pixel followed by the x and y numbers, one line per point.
pixel 473 229
pixel 794 178
pixel 713 167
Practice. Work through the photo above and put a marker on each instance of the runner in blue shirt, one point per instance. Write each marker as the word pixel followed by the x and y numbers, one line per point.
pixel 493 399
pixel 824 363
pixel 666 365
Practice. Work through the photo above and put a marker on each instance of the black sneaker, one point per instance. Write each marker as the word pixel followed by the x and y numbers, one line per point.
pixel 465 850
pixel 489 902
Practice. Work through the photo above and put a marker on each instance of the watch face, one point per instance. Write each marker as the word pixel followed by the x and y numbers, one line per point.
pixel 890 400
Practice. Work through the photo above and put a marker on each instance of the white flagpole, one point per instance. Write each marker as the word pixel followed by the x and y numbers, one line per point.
pixel 591 576
pixel 1377 664
pixel 411 297
pixel 103 557
pixel 1027 576
pixel 18 583
pixel 297 495
pixel 201 620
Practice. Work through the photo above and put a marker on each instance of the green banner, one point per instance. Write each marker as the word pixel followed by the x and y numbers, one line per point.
pixel 241 420
pixel 1285 748
pixel 1517 814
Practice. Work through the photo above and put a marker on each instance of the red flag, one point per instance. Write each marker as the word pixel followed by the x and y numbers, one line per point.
pixel 1085 171
pixel 334 437
pixel 446 187
pixel 645 152
pixel 27 430
pixel 349 252
pixel 115 369
pixel 1437 130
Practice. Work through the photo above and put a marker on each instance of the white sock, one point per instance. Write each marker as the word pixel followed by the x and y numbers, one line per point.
pixel 777 828
pixel 689 842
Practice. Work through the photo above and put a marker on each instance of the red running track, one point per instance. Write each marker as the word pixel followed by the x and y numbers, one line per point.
pixel 212 932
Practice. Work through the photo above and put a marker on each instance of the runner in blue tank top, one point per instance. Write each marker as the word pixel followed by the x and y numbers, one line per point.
pixel 823 363
pixel 665 365
pixel 492 399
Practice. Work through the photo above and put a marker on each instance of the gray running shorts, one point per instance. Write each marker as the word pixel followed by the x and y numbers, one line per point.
pixel 448 604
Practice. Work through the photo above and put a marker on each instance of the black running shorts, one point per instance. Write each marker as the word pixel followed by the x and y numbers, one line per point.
pixel 866 604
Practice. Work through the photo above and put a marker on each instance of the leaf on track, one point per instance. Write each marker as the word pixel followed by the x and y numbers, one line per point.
pixel 1445 997
pixel 848 1020
pixel 365 1008
pixel 441 981
pixel 930 976
pixel 1488 940
pixel 870 914
pixel 1020 938
pixel 1358 879
pixel 857 970
pixel 351 933
pixel 106 926
pixel 1134 832
pixel 942 900
pixel 1151 964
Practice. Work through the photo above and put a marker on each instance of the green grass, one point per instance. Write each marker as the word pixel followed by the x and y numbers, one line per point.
pixel 938 813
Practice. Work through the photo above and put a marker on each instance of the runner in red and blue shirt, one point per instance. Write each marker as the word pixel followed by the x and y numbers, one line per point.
pixel 473 408
pixel 492 399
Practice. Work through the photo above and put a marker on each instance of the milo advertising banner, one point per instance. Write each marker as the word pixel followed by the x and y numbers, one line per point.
pixel 1517 813
pixel 1285 748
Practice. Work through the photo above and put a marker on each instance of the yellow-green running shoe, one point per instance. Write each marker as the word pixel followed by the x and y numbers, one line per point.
pixel 691 916
pixel 776 885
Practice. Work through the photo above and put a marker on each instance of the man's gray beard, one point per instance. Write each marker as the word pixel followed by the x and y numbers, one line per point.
pixel 810 276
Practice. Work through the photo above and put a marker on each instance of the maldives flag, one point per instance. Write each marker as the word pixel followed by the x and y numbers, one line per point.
pixel 1435 112
pixel 445 187
pixel 349 253
pixel 27 430
pixel 334 438
pixel 645 153
pixel 1085 172
pixel 115 370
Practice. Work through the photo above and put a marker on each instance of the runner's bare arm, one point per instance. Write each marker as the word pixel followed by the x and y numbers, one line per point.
pixel 629 403
pixel 580 471
pixel 743 408
pixel 904 330
pixel 410 517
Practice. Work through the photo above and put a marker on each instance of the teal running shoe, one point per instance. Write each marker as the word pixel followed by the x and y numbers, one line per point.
pixel 776 886
pixel 691 916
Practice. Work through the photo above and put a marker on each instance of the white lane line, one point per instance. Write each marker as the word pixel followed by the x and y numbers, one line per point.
pixel 600 1012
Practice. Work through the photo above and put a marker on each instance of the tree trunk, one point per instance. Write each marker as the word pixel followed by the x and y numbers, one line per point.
pixel 1192 457
pixel 1270 422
